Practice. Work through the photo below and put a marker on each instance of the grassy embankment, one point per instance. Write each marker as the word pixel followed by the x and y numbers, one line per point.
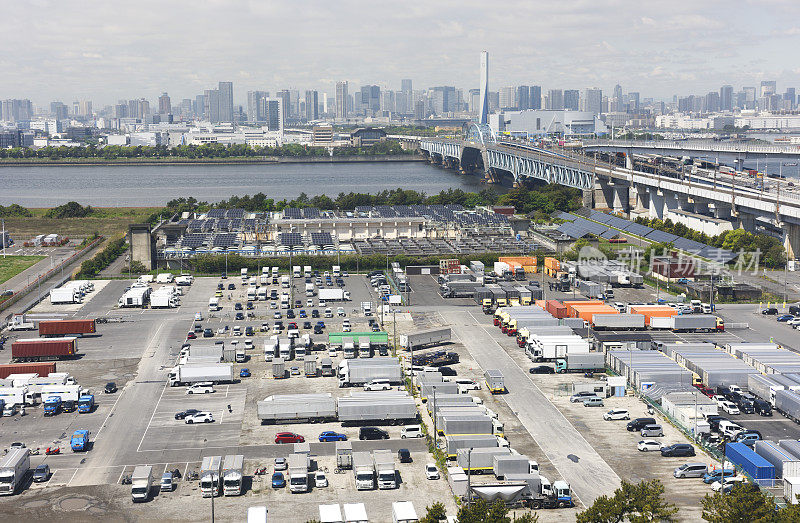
pixel 106 221
pixel 10 266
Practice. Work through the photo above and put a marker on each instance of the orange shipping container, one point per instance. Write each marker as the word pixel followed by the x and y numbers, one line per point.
pixel 568 305
pixel 540 303
pixel 587 313
pixel 521 260
pixel 552 263
pixel 529 269
pixel 650 311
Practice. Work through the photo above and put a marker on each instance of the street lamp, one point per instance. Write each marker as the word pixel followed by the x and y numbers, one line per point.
pixel 469 469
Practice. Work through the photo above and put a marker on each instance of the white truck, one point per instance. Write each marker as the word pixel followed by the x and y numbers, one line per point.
pixel 296 271
pixel 141 481
pixel 188 374
pixel 243 272
pixel 64 295
pixel 165 277
pixel 326 295
pixel 271 348
pixel 285 348
pixel 183 281
pixel 232 474
pixel 364 347
pixel 385 470
pixel 363 471
pixel 210 471
pixel 298 473
pixel 213 304
pixel 14 467
pixel 366 308
pixel 285 281
pixel 163 300
pixel 309 289
pixel 19 322
pixel 349 348
pixel 307 271
pixel 337 271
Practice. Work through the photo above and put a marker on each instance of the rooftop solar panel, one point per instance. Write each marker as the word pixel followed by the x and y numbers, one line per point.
pixel 600 217
pixel 638 229
pixel 661 237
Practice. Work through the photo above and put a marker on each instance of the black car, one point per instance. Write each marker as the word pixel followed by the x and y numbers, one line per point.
pixel 110 388
pixel 678 450
pixel 637 424
pixel 249 305
pixel 248 331
pixel 404 456
pixel 315 313
pixel 68 406
pixel 794 310
pixel 231 286
pixel 306 324
pixel 317 329
pixel 237 306
pixel 290 313
pixel 447 371
pixel 762 408
pixel 772 311
pixel 198 328
pixel 208 333
pixel 224 276
pixel 298 304
pixel 220 286
pixel 713 422
pixel 239 316
pixel 365 433
pixel 745 405
pixel 274 281
pixel 188 412
pixel 542 369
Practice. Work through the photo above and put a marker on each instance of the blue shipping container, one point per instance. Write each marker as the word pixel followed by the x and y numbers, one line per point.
pixel 754 465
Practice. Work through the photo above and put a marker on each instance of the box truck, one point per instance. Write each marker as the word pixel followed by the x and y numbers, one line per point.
pixel 210 470
pixel 363 471
pixel 14 468
pixel 141 481
pixel 188 374
pixel 495 381
pixel 232 474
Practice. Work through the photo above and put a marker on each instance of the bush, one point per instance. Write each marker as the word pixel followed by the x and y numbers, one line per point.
pixel 69 210
pixel 15 210
pixel 91 268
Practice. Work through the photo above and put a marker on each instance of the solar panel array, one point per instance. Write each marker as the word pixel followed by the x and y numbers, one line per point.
pixel 194 240
pixel 321 238
pixel 578 227
pixel 290 239
pixel 293 213
pixel 224 240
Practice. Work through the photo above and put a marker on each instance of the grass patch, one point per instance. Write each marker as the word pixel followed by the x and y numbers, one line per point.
pixel 106 221
pixel 10 266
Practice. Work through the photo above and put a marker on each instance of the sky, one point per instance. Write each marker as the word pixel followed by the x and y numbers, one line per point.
pixel 109 50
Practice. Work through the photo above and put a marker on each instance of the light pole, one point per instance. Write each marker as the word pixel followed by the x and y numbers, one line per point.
pixel 469 470
pixel 435 428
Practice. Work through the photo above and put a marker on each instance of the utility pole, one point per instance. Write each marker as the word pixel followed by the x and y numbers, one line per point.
pixel 3 238
pixel 469 467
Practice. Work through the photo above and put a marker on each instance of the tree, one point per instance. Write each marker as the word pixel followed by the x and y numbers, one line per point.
pixel 481 511
pixel 434 513
pixel 640 503
pixel 745 503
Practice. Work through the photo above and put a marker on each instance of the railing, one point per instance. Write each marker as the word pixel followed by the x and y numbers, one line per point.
pixel 706 145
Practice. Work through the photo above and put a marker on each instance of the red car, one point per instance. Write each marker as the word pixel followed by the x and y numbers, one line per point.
pixel 289 437
pixel 292 325
pixel 191 336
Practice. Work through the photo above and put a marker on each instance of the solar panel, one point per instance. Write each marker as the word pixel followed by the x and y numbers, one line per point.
pixel 216 213
pixel 291 239
pixel 600 217
pixel 321 238
pixel 609 234
pixel 617 222
pixel 565 216
pixel 688 245
pixel 592 227
pixel 293 213
pixel 234 213
pixel 661 237
pixel 638 229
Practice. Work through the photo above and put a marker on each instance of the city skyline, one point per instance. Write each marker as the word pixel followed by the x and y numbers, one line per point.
pixel 572 46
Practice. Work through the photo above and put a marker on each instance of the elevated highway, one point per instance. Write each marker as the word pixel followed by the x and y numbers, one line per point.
pixel 623 189
pixel 739 150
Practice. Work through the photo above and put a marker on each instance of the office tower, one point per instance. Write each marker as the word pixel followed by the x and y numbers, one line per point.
pixel 494 101
pixel 199 106
pixel 388 101
pixel 286 103
pixel 164 104
pixel 14 110
pixel 535 97
pixel 522 97
pixel 341 100
pixel 294 101
pixel 407 95
pixel 186 108
pixel 59 110
pixel 312 101
pixel 474 100
pixel 324 104
pixel 419 109
pixel 483 110
pixel 255 106
pixel 225 90
pixel 768 88
pixel 790 96
pixel 712 102
pixel 273 114
pixel 144 108
pixel 592 101
pixel 121 109
pixel 555 100
pixel 82 108
pixel 507 98
pixel 212 105
pixel 571 99
pixel 726 98
pixel 375 98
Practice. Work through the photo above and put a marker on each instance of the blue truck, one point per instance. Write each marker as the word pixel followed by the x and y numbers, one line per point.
pixel 759 469
pixel 86 403
pixel 52 405
pixel 80 440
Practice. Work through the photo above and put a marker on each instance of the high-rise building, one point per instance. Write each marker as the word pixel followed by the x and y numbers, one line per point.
pixel 405 103
pixel 768 88
pixel 712 102
pixel 726 98
pixel 59 110
pixel 571 99
pixel 312 106
pixel 535 97
pixel 121 109
pixel 494 101
pixel 388 101
pixel 483 110
pixel 286 104
pixel 507 98
pixel 211 111
pixel 442 99
pixel 341 100
pixel 186 108
pixel 523 97
pixel 82 108
pixel 14 110
pixel 633 102
pixel 790 96
pixel 255 106
pixel 592 101
pixel 419 109
pixel 273 114
pixel 164 104
pixel 226 102
pixel 618 94
pixel 555 100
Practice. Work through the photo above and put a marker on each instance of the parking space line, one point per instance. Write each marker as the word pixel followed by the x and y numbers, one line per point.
pixel 73 477
pixel 138 449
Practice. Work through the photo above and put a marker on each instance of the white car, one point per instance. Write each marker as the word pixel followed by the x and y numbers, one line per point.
pixel 248 343
pixel 200 417
pixel 200 388
pixel 378 385
pixel 648 445
pixel 616 414
pixel 346 328
pixel 468 384
pixel 320 480
pixel 237 330
pixel 719 399
pixel 411 431
pixel 717 485
pixel 340 312
pixel 794 322
pixel 222 330
pixel 273 305
pixel 431 472
pixel 332 352
pixel 309 302
pixel 198 316
pixel 730 408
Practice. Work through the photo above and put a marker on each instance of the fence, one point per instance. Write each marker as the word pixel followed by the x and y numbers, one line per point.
pixel 4 304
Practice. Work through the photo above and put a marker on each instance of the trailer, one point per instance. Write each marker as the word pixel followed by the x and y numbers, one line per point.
pixel 326 295
pixel 41 369
pixel 38 349
pixel 618 321
pixel 14 469
pixel 297 408
pixel 787 402
pixel 687 323
pixel 461 424
pixel 759 469
pixel 188 374
pixel 388 407
pixel 360 372
pixel 763 387
pixel 66 328
pixel 479 460
pixel 427 337
pixel 310 367
pixel 495 381
pixel 278 369
pixel 786 464
pixel 459 289
pixel 466 441
pixel 593 361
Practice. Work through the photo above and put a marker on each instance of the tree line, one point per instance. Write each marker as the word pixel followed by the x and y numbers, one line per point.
pixel 205 151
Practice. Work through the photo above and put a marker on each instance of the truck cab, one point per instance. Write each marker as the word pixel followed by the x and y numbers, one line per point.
pixel 720 324
pixel 52 405
pixel 86 403
pixel 80 440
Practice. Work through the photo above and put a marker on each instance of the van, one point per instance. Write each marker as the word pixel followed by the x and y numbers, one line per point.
pixel 167 482
pixel 729 429
pixel 593 402
pixel 762 408
pixel 328 313
pixel 368 433
pixel 411 431
pixel 639 423
pixel 652 431
pixel 691 470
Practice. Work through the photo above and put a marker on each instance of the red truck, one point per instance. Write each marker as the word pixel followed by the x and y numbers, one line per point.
pixel 66 327
pixel 42 369
pixel 38 349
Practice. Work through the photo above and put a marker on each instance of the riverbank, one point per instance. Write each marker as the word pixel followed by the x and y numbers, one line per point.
pixel 268 160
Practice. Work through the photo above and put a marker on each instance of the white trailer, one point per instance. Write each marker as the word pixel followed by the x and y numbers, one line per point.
pixel 427 337
pixel 65 392
pixel 188 374
pixel 309 289
pixel 165 277
pixel 135 297
pixel 163 300
pixel 14 467
pixel 327 295
pixel 542 347
pixel 64 295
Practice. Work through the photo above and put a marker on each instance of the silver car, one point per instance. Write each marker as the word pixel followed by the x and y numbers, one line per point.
pixel 691 470
pixel 652 431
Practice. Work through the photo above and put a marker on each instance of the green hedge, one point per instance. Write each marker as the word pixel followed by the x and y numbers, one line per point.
pixel 91 268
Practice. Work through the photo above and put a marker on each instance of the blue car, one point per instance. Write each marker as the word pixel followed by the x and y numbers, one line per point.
pixel 683 280
pixel 321 324
pixel 716 475
pixel 330 435
pixel 785 317
pixel 302 313
pixel 278 480
pixel 244 373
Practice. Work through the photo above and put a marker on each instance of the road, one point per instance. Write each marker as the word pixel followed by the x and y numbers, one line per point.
pixel 574 458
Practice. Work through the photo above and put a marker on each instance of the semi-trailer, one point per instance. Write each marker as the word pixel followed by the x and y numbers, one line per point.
pixel 495 381
pixel 298 473
pixel 618 321
pixel 787 402
pixel 593 361
pixel 466 441
pixel 297 408
pixel 38 349
pixel 42 369
pixel 278 369
pixel 479 460
pixel 14 468
pixel 525 333
pixel 210 470
pixel 310 367
pixel 688 323
pixel 141 481
pixel 188 374
pixel 363 471
pixel 514 325
pixel 359 372
pixel 385 471
pixel 504 465
pixel 460 424
pixel 66 327
pixel 384 407
pixel 459 289
pixel 420 339
pixel 763 387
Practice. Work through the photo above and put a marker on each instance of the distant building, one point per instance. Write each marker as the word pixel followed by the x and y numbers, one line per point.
pixel 164 104
pixel 312 106
pixel 226 102
pixel 273 114
pixel 592 101
pixel 341 100
pixel 59 110
pixel 16 110
pixel 571 100
pixel 555 100
pixel 535 97
pixel 322 134
pixel 541 123
pixel 256 106
pixel 367 136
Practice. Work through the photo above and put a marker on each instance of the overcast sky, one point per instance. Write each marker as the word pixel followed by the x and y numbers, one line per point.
pixel 109 50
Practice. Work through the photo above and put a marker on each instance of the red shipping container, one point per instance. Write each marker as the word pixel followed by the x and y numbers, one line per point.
pixel 43 348
pixel 556 309
pixel 42 369
pixel 65 327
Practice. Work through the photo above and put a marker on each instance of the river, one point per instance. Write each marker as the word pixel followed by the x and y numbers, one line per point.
pixel 139 186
